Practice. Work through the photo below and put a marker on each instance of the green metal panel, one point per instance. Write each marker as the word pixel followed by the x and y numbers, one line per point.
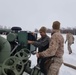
pixel 23 38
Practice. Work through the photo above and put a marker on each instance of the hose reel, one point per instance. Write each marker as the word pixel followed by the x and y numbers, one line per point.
pixel 12 66
pixel 23 55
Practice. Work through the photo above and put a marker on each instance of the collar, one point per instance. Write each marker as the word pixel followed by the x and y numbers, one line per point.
pixel 55 31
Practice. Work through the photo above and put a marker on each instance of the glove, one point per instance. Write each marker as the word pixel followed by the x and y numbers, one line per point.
pixel 65 42
pixel 72 42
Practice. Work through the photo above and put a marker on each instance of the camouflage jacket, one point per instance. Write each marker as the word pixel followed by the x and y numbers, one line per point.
pixel 56 46
pixel 69 38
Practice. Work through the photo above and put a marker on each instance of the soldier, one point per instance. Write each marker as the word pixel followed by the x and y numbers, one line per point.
pixel 42 43
pixel 70 40
pixel 55 51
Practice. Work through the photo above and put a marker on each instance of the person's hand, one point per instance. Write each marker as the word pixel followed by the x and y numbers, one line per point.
pixel 30 42
pixel 33 33
pixel 37 55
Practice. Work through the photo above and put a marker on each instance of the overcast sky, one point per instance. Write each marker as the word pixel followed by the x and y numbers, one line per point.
pixel 31 14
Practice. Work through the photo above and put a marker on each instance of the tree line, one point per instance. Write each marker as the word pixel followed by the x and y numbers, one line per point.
pixel 63 30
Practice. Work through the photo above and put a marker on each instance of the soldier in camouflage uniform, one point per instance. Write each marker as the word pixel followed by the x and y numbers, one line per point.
pixel 55 51
pixel 70 40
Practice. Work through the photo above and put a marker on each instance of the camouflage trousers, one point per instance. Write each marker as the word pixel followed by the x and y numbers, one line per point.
pixel 69 48
pixel 55 66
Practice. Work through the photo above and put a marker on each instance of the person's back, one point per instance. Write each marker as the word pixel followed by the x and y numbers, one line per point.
pixel 70 40
pixel 60 41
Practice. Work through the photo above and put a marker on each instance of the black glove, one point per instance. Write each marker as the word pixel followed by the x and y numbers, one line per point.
pixel 65 42
pixel 72 42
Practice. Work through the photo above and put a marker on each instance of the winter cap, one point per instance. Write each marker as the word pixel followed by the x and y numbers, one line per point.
pixel 56 25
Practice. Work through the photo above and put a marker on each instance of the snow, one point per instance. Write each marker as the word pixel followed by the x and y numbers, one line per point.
pixel 66 71
pixel 70 58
